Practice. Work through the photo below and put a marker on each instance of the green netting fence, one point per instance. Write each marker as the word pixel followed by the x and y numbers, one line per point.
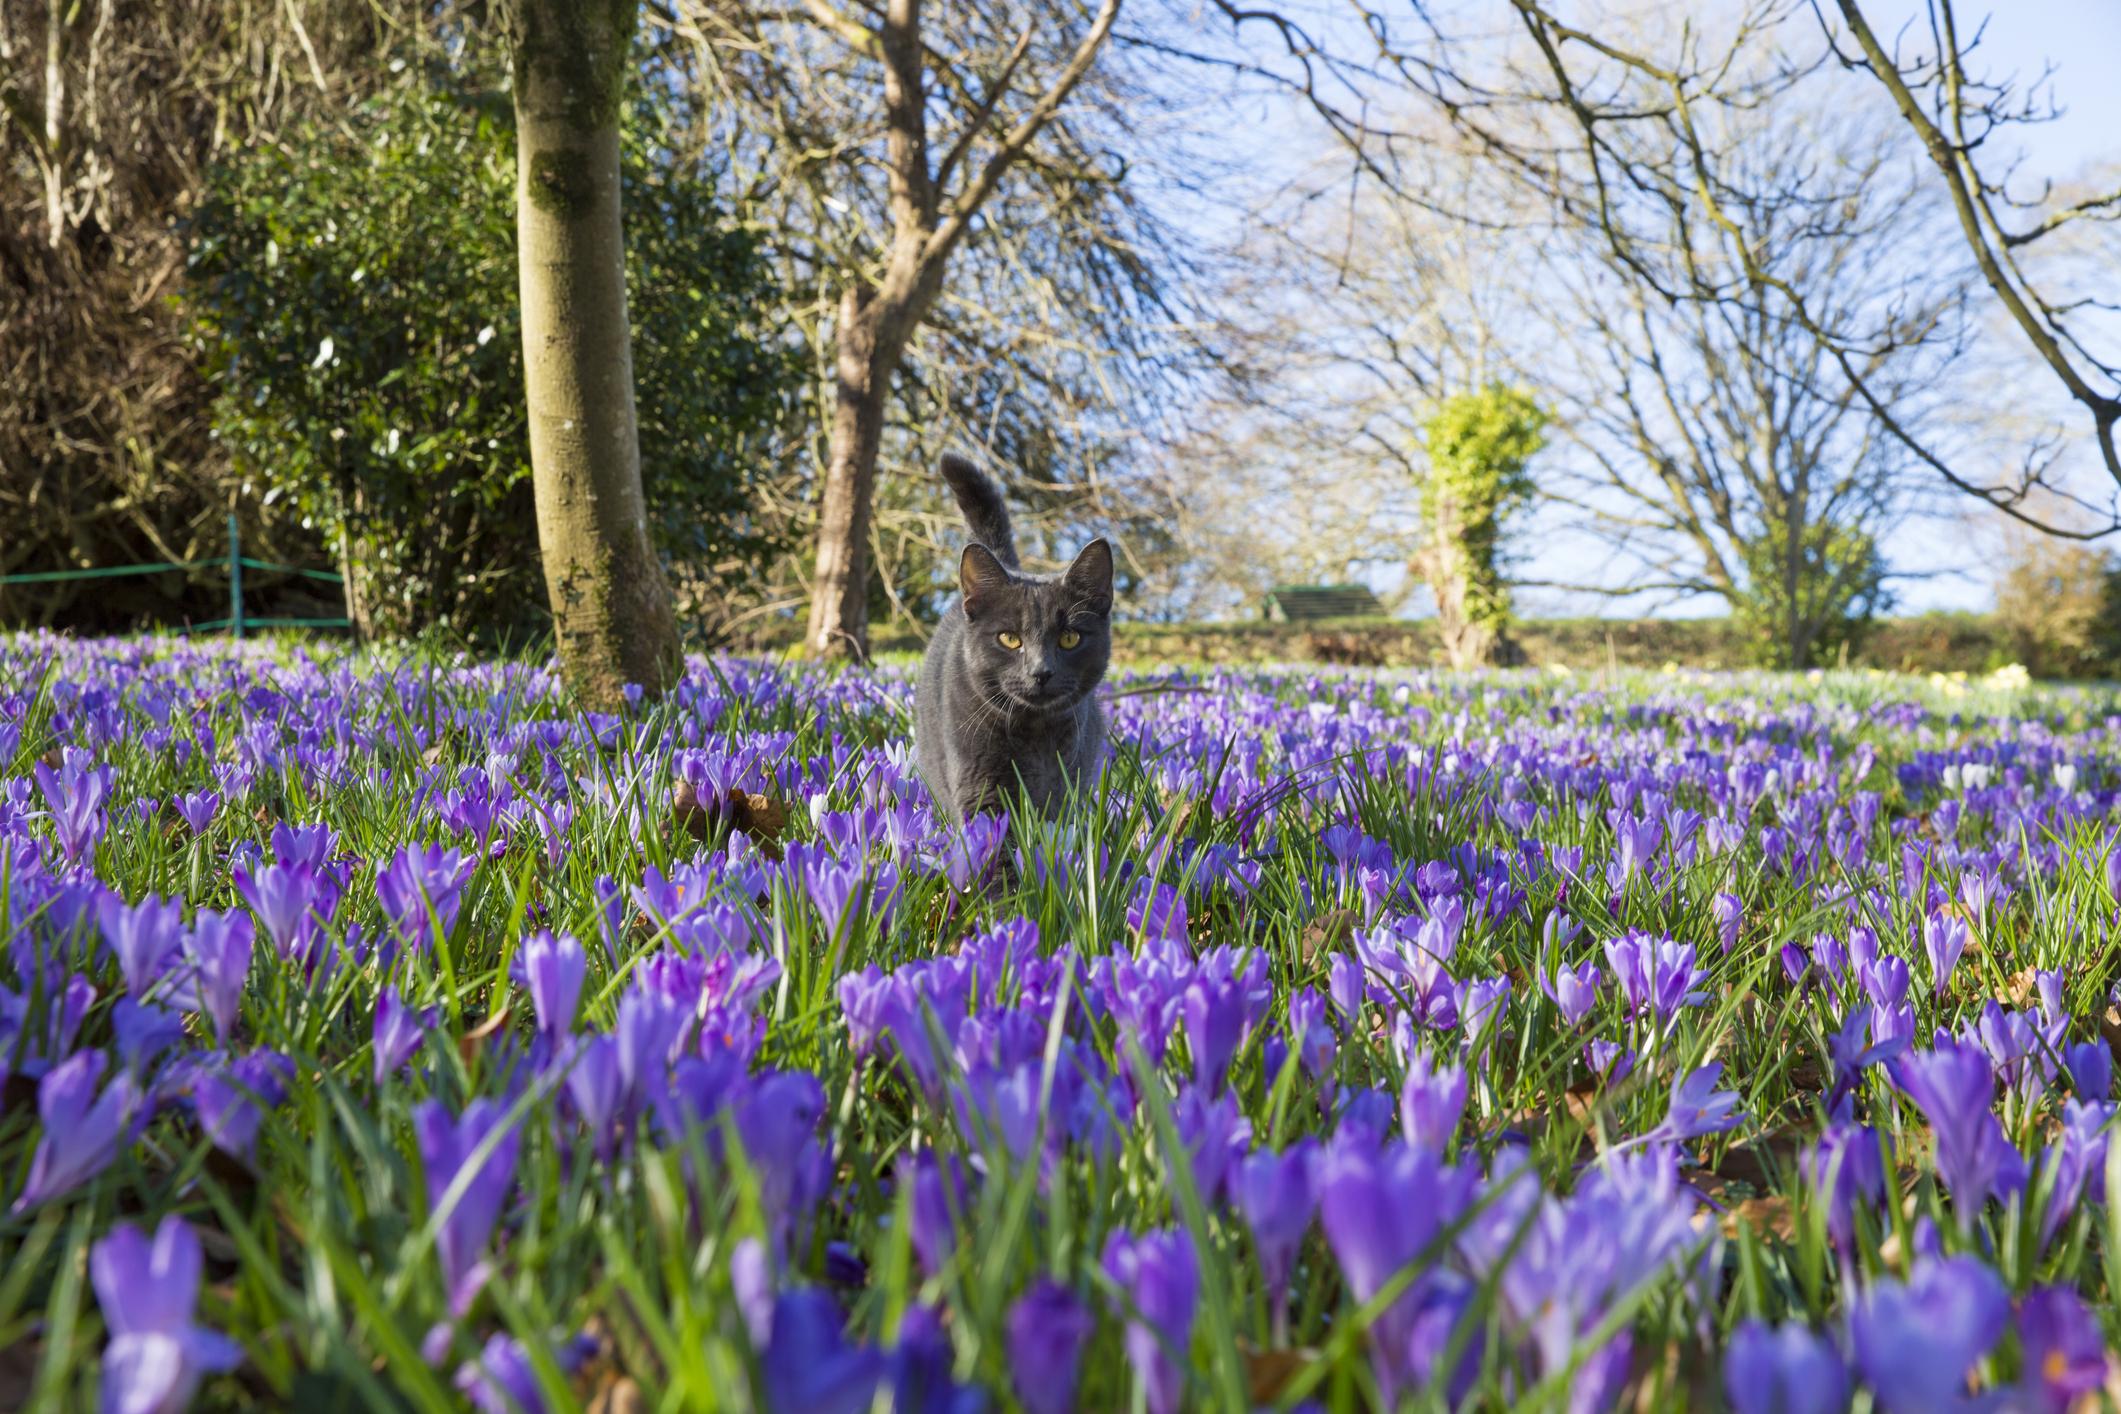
pixel 235 562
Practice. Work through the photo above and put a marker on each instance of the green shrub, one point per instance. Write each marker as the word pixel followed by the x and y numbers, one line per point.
pixel 2057 603
pixel 353 292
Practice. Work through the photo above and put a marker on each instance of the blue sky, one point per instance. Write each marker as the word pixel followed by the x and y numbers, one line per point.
pixel 2080 39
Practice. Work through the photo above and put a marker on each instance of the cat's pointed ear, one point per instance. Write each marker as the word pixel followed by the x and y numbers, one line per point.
pixel 981 577
pixel 1089 579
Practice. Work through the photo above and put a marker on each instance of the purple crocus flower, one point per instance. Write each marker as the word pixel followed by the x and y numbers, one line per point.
pixel 1847 1166
pixel 2064 1350
pixel 831 884
pixel 1311 1037
pixel 1381 1209
pixel 776 1121
pixel 1431 1102
pixel 554 965
pixel 596 1088
pixel 467 1190
pixel 1916 1341
pixel 422 891
pixel 968 852
pixel 918 1369
pixel 147 1292
pixel 75 795
pixel 937 1203
pixel 286 899
pixel 2047 985
pixel 1868 1036
pixel 1161 1278
pixel 1729 913
pixel 1572 989
pixel 1217 1015
pixel 1796 964
pixel 501 1379
pixel 1215 1133
pixel 218 949
pixel 398 1031
pixel 1944 938
pixel 2023 1058
pixel 1698 1107
pixel 1885 978
pixel 232 1102
pixel 84 1129
pixel 1483 1004
pixel 1157 915
pixel 807 1361
pixel 146 937
pixel 2091 1069
pixel 1783 1370
pixel 1609 1060
pixel 1656 975
pixel 143 1031
pixel 1344 985
pixel 1277 1195
pixel 1830 956
pixel 198 808
pixel 2075 1161
pixel 1048 1328
pixel 1955 1088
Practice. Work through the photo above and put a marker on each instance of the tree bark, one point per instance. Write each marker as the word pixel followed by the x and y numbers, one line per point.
pixel 611 607
pixel 839 600
pixel 1443 562
pixel 51 161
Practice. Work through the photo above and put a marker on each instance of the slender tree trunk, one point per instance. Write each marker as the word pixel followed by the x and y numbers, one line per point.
pixel 50 159
pixel 839 600
pixel 610 605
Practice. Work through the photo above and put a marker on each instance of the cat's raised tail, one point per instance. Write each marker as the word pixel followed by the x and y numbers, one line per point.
pixel 981 501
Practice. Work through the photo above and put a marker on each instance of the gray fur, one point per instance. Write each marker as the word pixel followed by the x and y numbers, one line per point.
pixel 987 716
pixel 981 502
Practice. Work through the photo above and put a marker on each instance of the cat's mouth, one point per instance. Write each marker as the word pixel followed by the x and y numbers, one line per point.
pixel 1041 703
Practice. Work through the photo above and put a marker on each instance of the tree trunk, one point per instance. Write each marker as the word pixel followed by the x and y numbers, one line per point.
pixel 51 160
pixel 610 604
pixel 839 600
pixel 1467 641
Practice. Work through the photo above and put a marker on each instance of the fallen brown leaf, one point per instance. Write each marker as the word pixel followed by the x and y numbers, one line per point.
pixel 697 820
pixel 469 1044
pixel 1327 932
pixel 1268 1372
pixel 758 816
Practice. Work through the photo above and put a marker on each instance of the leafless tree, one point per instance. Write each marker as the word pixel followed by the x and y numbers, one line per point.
pixel 1617 125
pixel 1722 449
pixel 902 130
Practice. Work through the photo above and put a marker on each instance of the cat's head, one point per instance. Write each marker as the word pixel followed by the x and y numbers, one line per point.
pixel 1038 645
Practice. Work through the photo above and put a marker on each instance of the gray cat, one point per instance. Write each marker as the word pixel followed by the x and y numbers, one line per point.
pixel 1006 688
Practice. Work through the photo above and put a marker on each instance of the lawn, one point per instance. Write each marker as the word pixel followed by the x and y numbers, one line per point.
pixel 385 1034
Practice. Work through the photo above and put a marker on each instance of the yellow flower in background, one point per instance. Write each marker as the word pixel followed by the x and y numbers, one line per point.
pixel 2011 677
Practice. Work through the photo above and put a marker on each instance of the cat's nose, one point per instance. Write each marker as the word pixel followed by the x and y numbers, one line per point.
pixel 1043 676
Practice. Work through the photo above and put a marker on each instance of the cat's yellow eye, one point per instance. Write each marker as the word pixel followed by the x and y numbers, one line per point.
pixel 1010 641
pixel 1069 638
